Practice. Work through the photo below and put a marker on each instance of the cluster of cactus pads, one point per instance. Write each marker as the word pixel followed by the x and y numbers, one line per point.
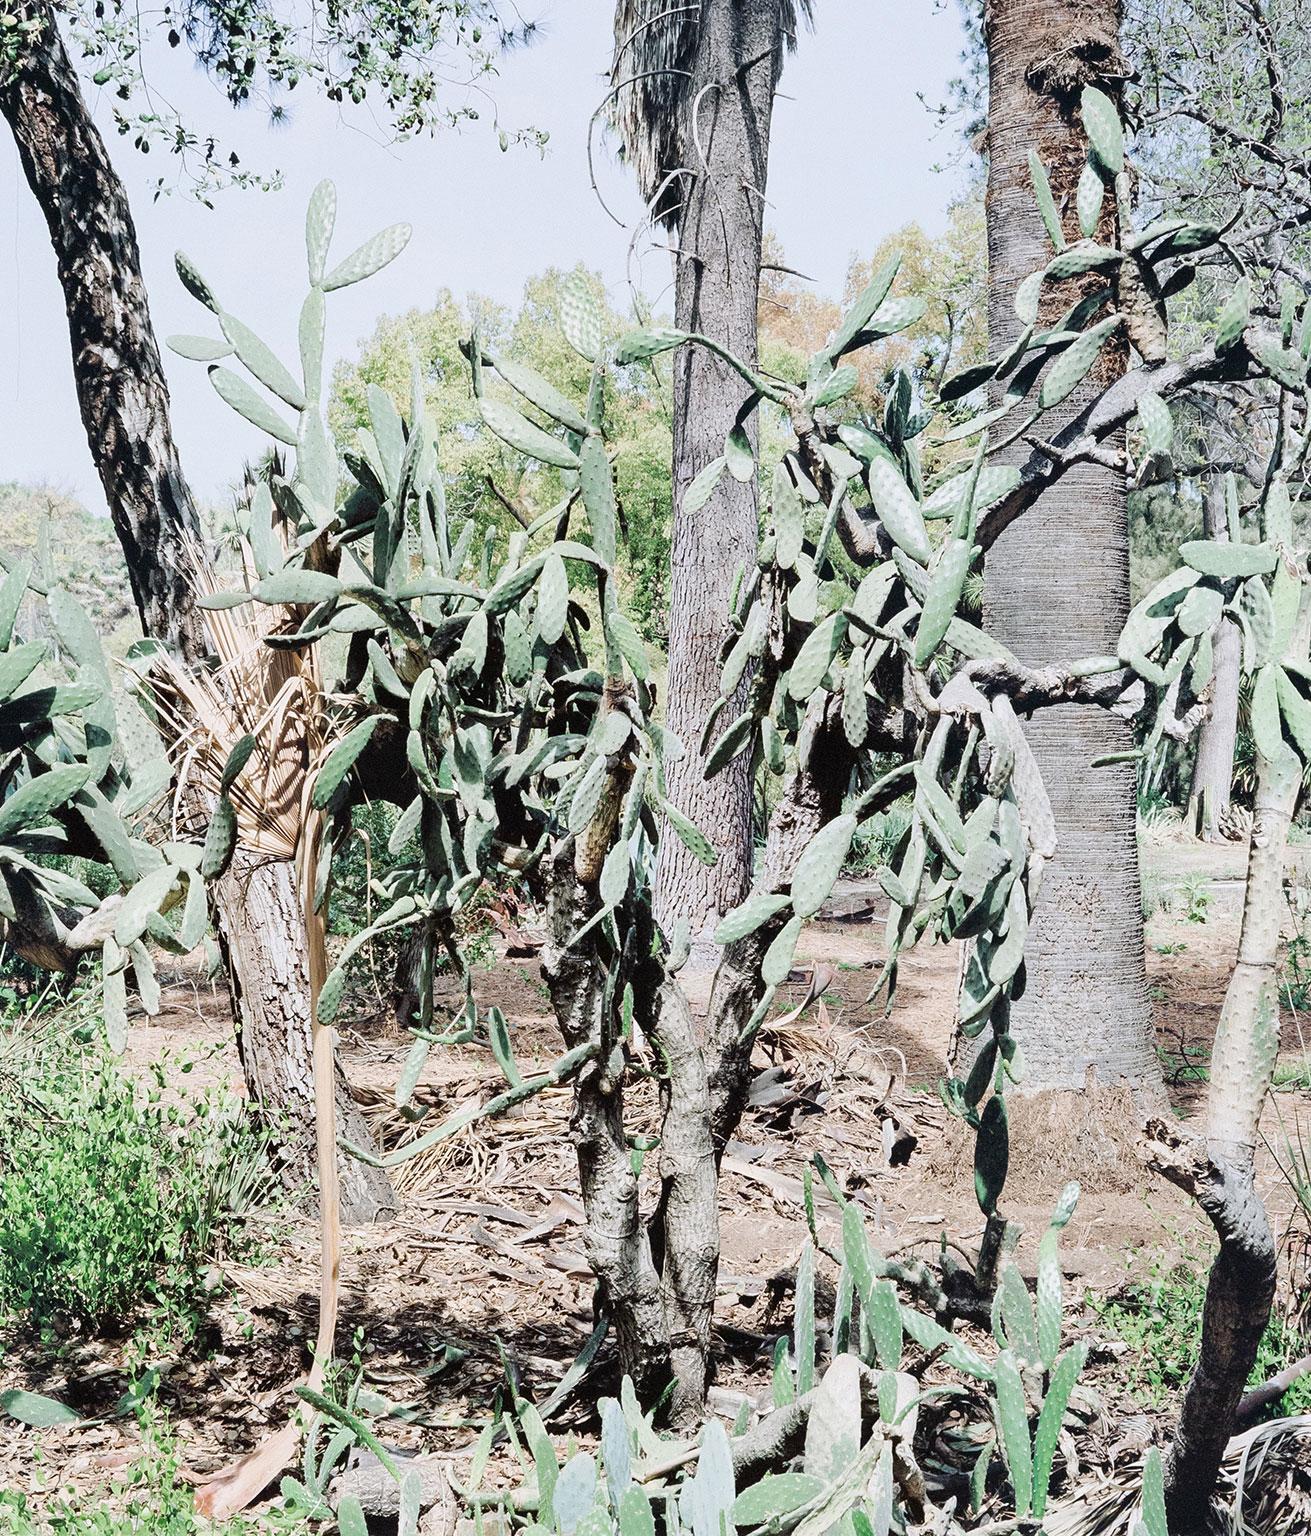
pixel 504 675
pixel 467 662
pixel 81 767
pixel 497 677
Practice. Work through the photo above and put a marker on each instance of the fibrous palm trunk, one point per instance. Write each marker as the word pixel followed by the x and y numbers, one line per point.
pixel 724 142
pixel 1213 772
pixel 1057 586
pixel 124 403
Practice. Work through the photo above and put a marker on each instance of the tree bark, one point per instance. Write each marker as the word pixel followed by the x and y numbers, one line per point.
pixel 258 915
pixel 617 1240
pixel 1213 771
pixel 124 401
pixel 116 365
pixel 724 144
pixel 1057 584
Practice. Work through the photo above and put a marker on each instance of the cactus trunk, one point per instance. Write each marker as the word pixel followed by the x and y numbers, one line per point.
pixel 1241 1288
pixel 685 1226
pixel 617 1242
pixel 1213 772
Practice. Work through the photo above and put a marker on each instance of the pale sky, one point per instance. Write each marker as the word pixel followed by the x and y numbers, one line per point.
pixel 853 158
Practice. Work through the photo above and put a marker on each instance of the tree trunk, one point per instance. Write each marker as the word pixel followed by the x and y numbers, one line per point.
pixel 116 365
pixel 725 143
pixel 124 402
pixel 1221 1175
pixel 1057 585
pixel 258 915
pixel 1213 771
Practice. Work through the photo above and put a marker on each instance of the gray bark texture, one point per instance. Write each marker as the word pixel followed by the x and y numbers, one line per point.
pixel 123 397
pixel 1220 1173
pixel 257 912
pixel 724 144
pixel 1211 791
pixel 1057 585
pixel 617 1241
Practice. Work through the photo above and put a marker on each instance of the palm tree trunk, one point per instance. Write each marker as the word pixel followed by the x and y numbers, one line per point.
pixel 724 142
pixel 1057 586
pixel 1213 772
pixel 124 402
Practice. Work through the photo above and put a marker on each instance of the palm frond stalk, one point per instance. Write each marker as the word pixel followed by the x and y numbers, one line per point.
pixel 274 697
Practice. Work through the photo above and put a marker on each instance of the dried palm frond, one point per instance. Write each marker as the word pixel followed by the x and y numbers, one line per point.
pixel 273 695
pixel 1264 1488
pixel 651 82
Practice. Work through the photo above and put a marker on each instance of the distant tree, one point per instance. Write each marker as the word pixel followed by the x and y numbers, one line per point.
pixel 490 481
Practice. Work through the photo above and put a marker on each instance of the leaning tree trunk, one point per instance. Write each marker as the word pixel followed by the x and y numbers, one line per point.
pixel 1220 1173
pixel 1213 771
pixel 124 402
pixel 1057 583
pixel 725 149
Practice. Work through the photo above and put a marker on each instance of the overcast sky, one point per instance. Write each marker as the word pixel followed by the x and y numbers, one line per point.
pixel 853 158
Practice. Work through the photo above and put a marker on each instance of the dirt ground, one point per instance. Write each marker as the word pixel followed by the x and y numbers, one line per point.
pixel 486 1254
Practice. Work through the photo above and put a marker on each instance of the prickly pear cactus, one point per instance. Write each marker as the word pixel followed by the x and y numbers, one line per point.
pixel 496 677
pixel 850 614
pixel 68 791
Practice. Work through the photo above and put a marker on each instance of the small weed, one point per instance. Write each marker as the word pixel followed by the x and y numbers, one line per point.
pixel 1293 1074
pixel 1178 947
pixel 1160 1319
pixel 1155 895
pixel 1197 898
pixel 1185 1063
pixel 1295 974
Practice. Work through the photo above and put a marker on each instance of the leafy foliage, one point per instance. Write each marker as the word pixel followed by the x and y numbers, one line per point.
pixel 1159 1319
pixel 421 69
pixel 112 1196
pixel 481 473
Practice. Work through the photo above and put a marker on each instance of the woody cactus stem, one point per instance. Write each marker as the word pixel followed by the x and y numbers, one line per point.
pixel 685 1227
pixel 1241 1288
pixel 618 1245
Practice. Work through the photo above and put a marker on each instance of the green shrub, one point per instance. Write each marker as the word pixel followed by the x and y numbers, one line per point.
pixel 112 1194
pixel 876 842
pixel 1160 1319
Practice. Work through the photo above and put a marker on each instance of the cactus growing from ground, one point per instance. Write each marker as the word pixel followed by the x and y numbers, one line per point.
pixel 501 697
